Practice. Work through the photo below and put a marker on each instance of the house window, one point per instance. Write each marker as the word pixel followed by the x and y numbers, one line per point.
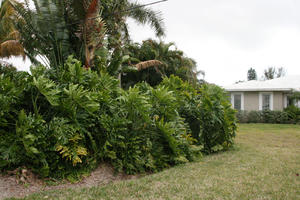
pixel 266 104
pixel 266 101
pixel 237 101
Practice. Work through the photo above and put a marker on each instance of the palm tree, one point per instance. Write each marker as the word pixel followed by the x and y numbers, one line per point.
pixel 115 14
pixel 55 29
pixel 9 36
pixel 171 61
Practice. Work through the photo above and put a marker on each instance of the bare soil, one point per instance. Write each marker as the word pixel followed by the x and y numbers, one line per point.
pixel 15 185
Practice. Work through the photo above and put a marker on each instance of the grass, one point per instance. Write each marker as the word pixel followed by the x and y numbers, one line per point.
pixel 263 165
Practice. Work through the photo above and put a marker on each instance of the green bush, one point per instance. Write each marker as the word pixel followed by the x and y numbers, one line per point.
pixel 293 113
pixel 287 116
pixel 218 126
pixel 61 122
pixel 7 69
pixel 255 117
pixel 208 113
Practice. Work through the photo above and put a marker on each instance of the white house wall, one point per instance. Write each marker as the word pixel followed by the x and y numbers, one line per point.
pixel 278 103
pixel 253 100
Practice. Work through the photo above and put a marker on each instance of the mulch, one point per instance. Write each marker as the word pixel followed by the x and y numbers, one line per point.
pixel 20 183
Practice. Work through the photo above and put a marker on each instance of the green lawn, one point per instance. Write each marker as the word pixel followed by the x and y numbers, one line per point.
pixel 263 165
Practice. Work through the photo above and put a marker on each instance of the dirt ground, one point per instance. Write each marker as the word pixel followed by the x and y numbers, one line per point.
pixel 12 185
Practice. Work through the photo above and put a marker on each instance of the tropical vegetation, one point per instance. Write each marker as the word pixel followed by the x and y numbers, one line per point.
pixel 156 60
pixel 69 113
pixel 60 121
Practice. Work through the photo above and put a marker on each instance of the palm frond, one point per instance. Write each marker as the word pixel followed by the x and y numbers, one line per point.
pixel 14 35
pixel 150 63
pixel 43 31
pixel 7 15
pixel 147 16
pixel 11 48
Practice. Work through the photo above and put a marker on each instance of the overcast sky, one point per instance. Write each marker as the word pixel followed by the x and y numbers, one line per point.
pixel 227 37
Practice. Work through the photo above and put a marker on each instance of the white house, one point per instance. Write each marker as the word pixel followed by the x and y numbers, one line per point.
pixel 261 95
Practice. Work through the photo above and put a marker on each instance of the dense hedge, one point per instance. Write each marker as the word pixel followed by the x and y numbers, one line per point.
pixel 290 115
pixel 62 122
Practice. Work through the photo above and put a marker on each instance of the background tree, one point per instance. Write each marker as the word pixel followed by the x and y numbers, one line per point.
pixel 280 72
pixel 272 72
pixel 269 73
pixel 157 59
pixel 251 74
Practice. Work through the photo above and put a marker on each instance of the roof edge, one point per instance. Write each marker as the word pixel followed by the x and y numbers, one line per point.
pixel 261 90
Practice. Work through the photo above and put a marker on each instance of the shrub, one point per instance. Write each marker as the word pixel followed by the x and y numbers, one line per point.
pixel 275 117
pixel 207 111
pixel 255 117
pixel 145 132
pixel 293 113
pixel 217 119
pixel 241 116
pixel 7 69
pixel 60 122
